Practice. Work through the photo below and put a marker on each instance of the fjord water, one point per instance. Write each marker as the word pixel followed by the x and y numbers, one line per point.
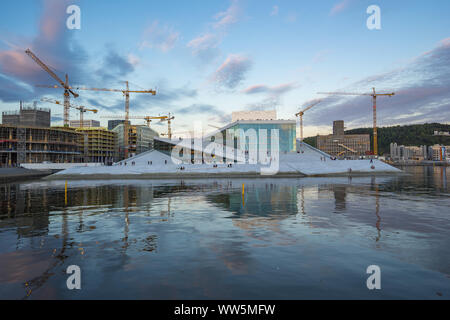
pixel 207 239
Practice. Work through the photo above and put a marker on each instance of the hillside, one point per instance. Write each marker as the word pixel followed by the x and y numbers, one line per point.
pixel 409 135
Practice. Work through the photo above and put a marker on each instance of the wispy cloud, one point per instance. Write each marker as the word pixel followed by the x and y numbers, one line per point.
pixel 159 36
pixel 422 90
pixel 206 45
pixel 229 16
pixel 54 44
pixel 272 95
pixel 339 7
pixel 232 71
pixel 115 66
pixel 275 90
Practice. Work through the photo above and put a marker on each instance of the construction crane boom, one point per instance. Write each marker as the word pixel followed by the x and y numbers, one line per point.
pixel 126 92
pixel 148 119
pixel 82 109
pixel 63 85
pixel 374 96
pixel 169 126
pixel 153 92
pixel 301 113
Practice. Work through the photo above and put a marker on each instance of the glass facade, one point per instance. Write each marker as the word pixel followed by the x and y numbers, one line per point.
pixel 286 133
pixel 247 136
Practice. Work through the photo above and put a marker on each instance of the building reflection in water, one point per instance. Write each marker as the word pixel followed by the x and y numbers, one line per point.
pixel 37 213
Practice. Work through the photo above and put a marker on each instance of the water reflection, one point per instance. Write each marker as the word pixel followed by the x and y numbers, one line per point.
pixel 221 238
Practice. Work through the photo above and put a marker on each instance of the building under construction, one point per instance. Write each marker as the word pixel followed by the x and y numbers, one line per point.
pixel 98 144
pixel 344 145
pixel 20 144
pixel 140 139
pixel 27 117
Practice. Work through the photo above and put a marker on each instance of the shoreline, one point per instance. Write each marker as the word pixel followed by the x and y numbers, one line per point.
pixel 19 174
pixel 437 164
pixel 156 176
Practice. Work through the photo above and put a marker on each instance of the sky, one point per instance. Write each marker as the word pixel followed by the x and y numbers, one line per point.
pixel 207 59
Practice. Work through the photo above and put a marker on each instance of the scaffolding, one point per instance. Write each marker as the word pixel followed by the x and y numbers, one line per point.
pixel 98 144
pixel 20 144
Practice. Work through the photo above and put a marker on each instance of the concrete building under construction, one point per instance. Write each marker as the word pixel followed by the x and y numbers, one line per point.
pixel 140 139
pixel 98 144
pixel 344 145
pixel 27 117
pixel 20 144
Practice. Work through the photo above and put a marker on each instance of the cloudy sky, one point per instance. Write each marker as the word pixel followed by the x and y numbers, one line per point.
pixel 209 58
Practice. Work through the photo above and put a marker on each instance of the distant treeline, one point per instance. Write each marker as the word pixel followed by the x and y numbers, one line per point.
pixel 410 135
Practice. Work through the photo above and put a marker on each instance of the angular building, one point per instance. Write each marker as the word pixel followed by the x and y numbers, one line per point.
pixel 344 145
pixel 243 148
pixel 242 140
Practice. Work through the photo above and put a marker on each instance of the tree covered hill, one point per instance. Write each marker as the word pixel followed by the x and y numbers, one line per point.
pixel 409 135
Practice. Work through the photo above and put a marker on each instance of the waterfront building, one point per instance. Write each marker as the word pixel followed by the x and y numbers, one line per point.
pixel 344 145
pixel 237 140
pixel 27 117
pixel 438 152
pixel 86 124
pixel 405 153
pixel 140 139
pixel 98 145
pixel 20 144
pixel 243 148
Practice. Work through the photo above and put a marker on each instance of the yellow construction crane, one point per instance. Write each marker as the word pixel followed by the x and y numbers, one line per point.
pixel 147 119
pixel 126 92
pixel 169 126
pixel 374 96
pixel 301 113
pixel 62 84
pixel 82 109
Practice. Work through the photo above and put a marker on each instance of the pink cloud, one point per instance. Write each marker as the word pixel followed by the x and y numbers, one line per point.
pixel 228 17
pixel 339 7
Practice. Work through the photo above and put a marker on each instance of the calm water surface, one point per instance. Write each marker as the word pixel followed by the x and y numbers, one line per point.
pixel 203 239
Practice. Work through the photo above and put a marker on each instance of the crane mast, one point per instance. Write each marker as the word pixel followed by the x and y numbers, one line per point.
pixel 374 96
pixel 126 126
pixel 300 115
pixel 63 84
pixel 126 92
pixel 82 109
